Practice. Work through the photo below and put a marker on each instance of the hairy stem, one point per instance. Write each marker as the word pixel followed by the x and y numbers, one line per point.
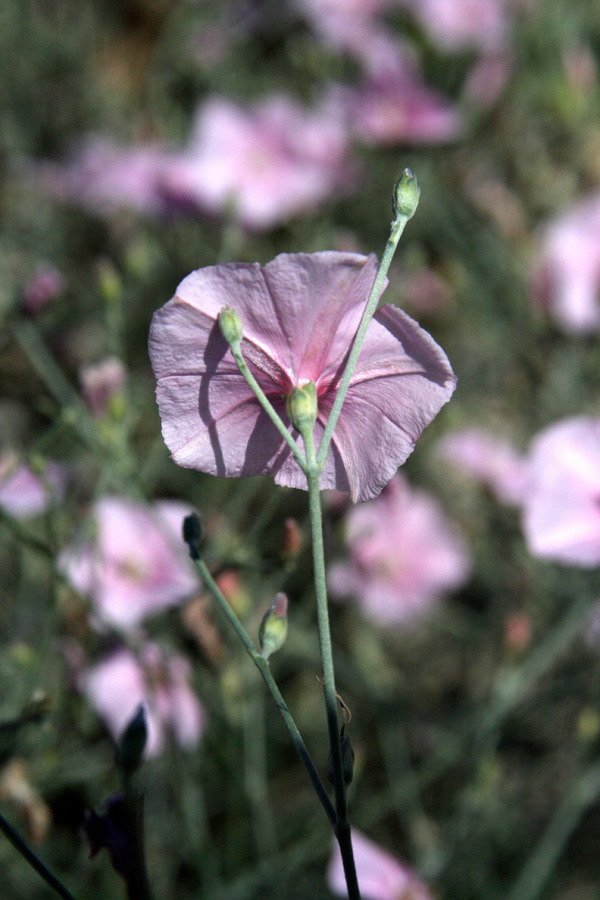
pixel 342 825
pixel 263 666
pixel 398 226
pixel 27 853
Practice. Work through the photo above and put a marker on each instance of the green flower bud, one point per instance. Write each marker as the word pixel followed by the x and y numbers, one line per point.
pixel 231 326
pixel 406 195
pixel 302 407
pixel 273 628
pixel 130 748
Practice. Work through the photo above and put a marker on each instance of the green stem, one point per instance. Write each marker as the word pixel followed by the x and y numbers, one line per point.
pixel 36 863
pixel 267 406
pixel 390 248
pixel 342 825
pixel 263 666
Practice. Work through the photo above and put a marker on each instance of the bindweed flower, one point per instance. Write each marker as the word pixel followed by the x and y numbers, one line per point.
pixel 44 286
pixel 117 686
pixel 137 564
pixel 458 24
pixel 24 492
pixel 561 509
pixel 380 875
pixel 263 164
pixel 404 555
pixel 490 459
pixel 299 314
pixel 566 278
pixel 399 108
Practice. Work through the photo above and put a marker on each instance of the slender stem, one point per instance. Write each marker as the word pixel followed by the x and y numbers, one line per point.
pixel 263 666
pixel 34 861
pixel 267 406
pixel 342 826
pixel 398 226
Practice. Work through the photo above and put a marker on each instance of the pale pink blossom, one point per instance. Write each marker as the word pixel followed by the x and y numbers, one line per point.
pixel 398 107
pixel 404 555
pixel 136 565
pixel 490 459
pixel 102 383
pixel 561 510
pixel 300 314
pixel 25 493
pixel 262 164
pixel 380 875
pixel 566 277
pixel 117 685
pixel 457 24
pixel 105 177
pixel 488 78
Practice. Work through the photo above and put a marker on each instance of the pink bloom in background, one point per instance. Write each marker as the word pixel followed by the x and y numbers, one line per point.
pixel 404 555
pixel 398 107
pixel 490 459
pixel 561 511
pixel 266 163
pixel 380 875
pixel 566 278
pixel 117 685
pixel 457 24
pixel 105 177
pixel 25 493
pixel 300 314
pixel 136 565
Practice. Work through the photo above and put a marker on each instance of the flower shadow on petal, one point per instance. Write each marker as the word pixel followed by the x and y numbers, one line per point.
pixel 265 449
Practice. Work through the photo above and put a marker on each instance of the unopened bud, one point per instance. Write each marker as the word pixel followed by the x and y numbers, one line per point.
pixel 193 534
pixel 302 407
pixel 406 195
pixel 133 743
pixel 347 759
pixel 273 628
pixel 291 543
pixel 231 326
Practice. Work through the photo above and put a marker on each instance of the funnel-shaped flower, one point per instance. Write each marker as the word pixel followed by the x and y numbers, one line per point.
pixel 380 875
pixel 299 314
pixel 561 508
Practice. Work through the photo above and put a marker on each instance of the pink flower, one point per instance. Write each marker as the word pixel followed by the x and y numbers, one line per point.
pixel 562 504
pixel 400 108
pixel 117 685
pixel 380 875
pixel 404 555
pixel 24 493
pixel 265 164
pixel 137 564
pixel 456 24
pixel 299 314
pixel 105 177
pixel 566 278
pixel 490 459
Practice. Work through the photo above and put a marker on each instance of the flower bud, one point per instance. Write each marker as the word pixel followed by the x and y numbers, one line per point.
pixel 405 198
pixel 273 628
pixel 132 743
pixel 302 407
pixel 193 534
pixel 231 326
